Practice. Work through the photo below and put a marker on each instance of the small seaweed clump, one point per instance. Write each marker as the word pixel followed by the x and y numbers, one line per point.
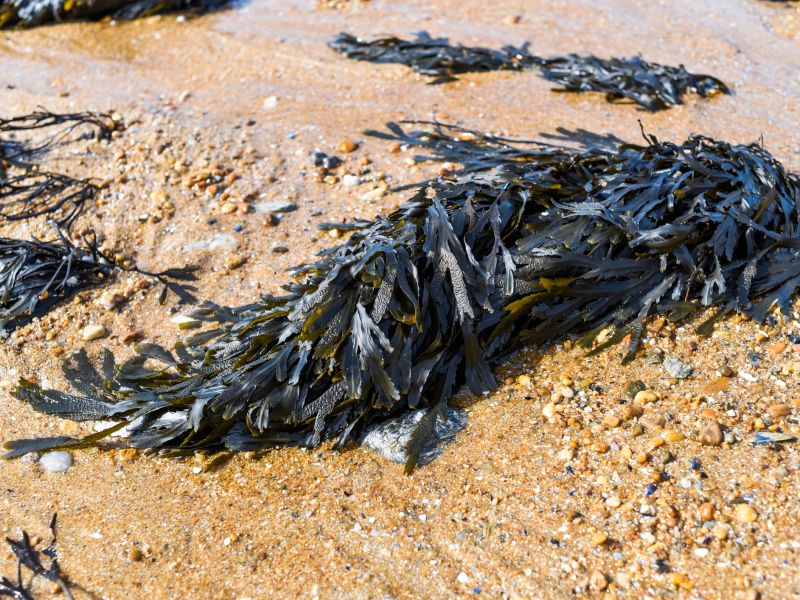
pixel 31 559
pixel 28 13
pixel 529 243
pixel 653 86
pixel 27 190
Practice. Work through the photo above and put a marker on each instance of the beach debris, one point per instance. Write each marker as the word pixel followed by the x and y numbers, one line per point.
pixel 30 558
pixel 28 13
pixel 392 437
pixel 27 190
pixel 652 85
pixel 772 437
pixel 34 275
pixel 526 244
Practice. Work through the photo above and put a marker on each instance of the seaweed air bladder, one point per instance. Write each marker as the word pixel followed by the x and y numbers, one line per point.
pixel 651 85
pixel 529 243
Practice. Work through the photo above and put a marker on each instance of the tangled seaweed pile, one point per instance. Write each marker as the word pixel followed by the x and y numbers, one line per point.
pixel 530 242
pixel 30 558
pixel 653 86
pixel 29 13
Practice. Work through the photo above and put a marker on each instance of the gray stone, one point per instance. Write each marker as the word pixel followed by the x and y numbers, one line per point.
pixel 275 207
pixel 390 437
pixel 677 368
pixel 56 462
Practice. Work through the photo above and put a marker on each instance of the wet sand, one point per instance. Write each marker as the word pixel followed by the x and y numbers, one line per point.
pixel 500 505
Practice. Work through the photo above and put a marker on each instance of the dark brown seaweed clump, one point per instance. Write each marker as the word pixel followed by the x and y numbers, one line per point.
pixel 653 86
pixel 28 13
pixel 529 243
pixel 30 558
pixel 34 275
pixel 28 191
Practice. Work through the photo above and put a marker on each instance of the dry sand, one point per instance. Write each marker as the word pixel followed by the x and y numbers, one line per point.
pixel 544 495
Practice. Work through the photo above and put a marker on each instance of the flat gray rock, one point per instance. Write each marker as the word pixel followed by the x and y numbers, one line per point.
pixel 677 368
pixel 390 437
pixel 275 207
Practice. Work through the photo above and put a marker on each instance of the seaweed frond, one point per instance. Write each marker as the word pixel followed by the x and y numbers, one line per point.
pixel 30 558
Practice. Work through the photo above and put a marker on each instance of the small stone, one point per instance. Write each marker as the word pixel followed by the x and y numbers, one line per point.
pixel 642 458
pixel 711 434
pixel 279 249
pixel 462 578
pixel 632 411
pixel 645 396
pixel 128 454
pixel 600 448
pixel 677 368
pixel 129 337
pixel 567 392
pixel 135 555
pixel 707 511
pixel 680 580
pixel 655 444
pixel 614 502
pixel 512 19
pixel 720 532
pixel 779 410
pixel 93 332
pixel 745 513
pixel 347 146
pixel 598 580
pixel 634 387
pixel 374 194
pixel 636 430
pixel 56 461
pixel 761 337
pixel 709 413
pixel 776 348
pixel 549 410
pixel 715 386
pixel 351 180
pixel 673 436
pixel 228 208
pixel 599 538
pixel 110 299
pixel 235 261
pixel 726 371
pixel 611 421
pixel 524 380
pixel 269 103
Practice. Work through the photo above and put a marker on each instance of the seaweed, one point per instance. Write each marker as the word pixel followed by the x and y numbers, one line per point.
pixel 31 559
pixel 26 190
pixel 653 86
pixel 34 275
pixel 530 242
pixel 29 13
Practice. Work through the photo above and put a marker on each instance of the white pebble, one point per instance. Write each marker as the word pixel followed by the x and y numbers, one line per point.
pixel 462 578
pixel 93 332
pixel 351 180
pixel 56 462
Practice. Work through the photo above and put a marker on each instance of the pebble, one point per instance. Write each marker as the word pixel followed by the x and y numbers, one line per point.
pixel 350 180
pixel 779 410
pixel 279 249
pixel 600 448
pixel 611 421
pixel 726 371
pixel 275 207
pixel 524 380
pixel 745 513
pixel 228 208
pixel 673 436
pixel 711 434
pixel 599 538
pixel 56 461
pixel 680 580
pixel 549 410
pixel 632 411
pixel 110 300
pixel 645 396
pixel 676 367
pixel 614 502
pixel 598 580
pixel 707 511
pixel 93 332
pixel 462 577
pixel 347 146
pixel 135 555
